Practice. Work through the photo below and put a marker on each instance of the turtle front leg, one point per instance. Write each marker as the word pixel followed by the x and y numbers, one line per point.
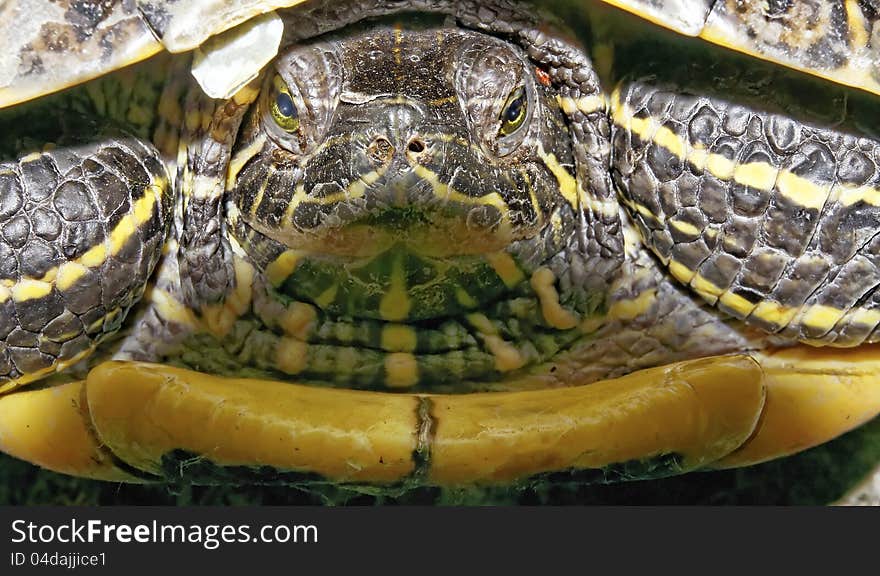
pixel 81 229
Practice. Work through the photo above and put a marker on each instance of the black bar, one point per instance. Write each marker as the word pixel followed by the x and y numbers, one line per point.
pixel 413 539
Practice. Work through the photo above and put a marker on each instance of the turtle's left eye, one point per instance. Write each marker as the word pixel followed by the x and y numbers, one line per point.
pixel 514 113
pixel 284 111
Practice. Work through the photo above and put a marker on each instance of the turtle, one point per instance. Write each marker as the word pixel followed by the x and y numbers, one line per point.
pixel 383 244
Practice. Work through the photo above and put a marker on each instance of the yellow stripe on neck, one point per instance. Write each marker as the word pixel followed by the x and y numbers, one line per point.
pixel 800 191
pixel 67 274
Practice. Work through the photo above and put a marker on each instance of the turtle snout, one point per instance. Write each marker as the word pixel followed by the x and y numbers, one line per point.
pixel 397 135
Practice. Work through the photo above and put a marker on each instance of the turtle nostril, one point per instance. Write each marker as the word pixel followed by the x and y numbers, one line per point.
pixel 380 150
pixel 416 146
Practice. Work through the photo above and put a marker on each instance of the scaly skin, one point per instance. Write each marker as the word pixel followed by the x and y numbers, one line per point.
pixel 449 224
pixel 476 261
pixel 332 269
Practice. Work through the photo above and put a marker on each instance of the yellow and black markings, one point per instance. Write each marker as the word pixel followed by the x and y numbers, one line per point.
pixel 796 192
pixel 64 276
pixel 30 294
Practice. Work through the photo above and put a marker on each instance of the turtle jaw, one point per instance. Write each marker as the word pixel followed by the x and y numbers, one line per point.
pixel 140 422
pixel 397 285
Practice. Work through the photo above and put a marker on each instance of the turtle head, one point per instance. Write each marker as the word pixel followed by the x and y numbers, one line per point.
pixel 422 150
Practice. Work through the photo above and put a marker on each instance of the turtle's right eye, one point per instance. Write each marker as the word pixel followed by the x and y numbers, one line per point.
pixel 514 113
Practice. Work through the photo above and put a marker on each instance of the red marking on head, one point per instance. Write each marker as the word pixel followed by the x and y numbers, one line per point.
pixel 543 76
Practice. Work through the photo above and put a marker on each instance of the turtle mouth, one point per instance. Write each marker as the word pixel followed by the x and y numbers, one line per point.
pixel 400 285
pixel 398 297
pixel 403 263
pixel 359 229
